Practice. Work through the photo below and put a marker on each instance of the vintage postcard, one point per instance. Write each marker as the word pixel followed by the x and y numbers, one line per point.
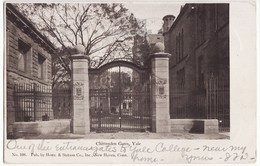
pixel 130 82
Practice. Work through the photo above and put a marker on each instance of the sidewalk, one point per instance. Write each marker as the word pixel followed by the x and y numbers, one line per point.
pixel 132 135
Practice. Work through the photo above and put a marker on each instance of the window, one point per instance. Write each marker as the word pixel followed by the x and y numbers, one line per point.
pixel 23 53
pixel 41 61
pixel 181 79
pixel 176 48
pixel 182 42
pixel 130 105
pixel 201 73
pixel 179 46
pixel 124 105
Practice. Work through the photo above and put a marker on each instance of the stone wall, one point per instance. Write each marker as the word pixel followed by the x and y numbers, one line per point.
pixel 198 126
pixel 30 76
pixel 12 36
pixel 23 129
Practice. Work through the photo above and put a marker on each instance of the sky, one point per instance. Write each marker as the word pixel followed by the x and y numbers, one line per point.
pixel 153 12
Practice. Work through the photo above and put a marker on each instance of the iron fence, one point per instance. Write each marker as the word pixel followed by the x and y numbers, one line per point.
pixel 62 103
pixel 218 102
pixel 212 102
pixel 187 105
pixel 34 102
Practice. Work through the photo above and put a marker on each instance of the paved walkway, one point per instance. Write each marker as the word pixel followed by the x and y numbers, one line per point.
pixel 132 135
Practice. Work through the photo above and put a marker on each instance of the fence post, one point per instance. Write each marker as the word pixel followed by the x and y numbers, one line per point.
pixel 34 101
pixel 15 103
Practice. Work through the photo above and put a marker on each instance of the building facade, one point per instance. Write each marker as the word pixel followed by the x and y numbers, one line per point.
pixel 198 40
pixel 28 69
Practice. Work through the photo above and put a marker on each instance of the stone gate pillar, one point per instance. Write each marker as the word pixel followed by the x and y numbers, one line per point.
pixel 80 91
pixel 160 90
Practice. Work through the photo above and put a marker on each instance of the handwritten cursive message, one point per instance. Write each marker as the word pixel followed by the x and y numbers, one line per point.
pixel 134 151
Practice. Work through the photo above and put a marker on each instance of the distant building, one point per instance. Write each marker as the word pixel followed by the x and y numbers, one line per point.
pixel 152 39
pixel 143 46
pixel 198 40
pixel 28 63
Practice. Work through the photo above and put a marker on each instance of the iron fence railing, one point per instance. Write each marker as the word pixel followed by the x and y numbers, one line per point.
pixel 34 102
pixel 218 102
pixel 212 102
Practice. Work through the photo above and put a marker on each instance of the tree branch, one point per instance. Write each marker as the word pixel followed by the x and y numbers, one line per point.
pixel 67 26
pixel 60 41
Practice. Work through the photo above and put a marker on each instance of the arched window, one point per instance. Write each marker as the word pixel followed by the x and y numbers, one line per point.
pixel 124 105
pixel 130 105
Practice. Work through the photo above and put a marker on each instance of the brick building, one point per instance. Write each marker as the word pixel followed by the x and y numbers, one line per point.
pixel 28 67
pixel 198 40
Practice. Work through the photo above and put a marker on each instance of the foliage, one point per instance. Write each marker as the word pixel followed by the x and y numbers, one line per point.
pixel 141 49
pixel 124 82
pixel 109 79
pixel 98 27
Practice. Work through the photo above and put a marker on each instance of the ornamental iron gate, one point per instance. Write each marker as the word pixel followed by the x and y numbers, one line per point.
pixel 119 99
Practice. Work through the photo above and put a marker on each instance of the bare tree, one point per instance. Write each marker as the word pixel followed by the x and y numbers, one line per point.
pixel 98 27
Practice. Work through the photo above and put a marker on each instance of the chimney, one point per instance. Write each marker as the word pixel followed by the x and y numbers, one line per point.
pixel 167 22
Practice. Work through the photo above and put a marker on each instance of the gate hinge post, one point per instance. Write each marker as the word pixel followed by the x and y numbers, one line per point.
pixel 160 103
pixel 80 91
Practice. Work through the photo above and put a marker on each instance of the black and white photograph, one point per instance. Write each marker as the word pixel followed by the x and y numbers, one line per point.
pixel 111 71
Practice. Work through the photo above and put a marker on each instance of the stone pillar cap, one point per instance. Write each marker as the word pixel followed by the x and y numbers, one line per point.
pixel 158 51
pixel 158 47
pixel 79 56
pixel 79 49
pixel 160 55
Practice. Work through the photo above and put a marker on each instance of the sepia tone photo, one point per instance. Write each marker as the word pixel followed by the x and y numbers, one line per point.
pixel 117 71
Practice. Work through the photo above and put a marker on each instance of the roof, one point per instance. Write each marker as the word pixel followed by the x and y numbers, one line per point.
pixel 155 38
pixel 169 15
pixel 183 10
pixel 27 26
